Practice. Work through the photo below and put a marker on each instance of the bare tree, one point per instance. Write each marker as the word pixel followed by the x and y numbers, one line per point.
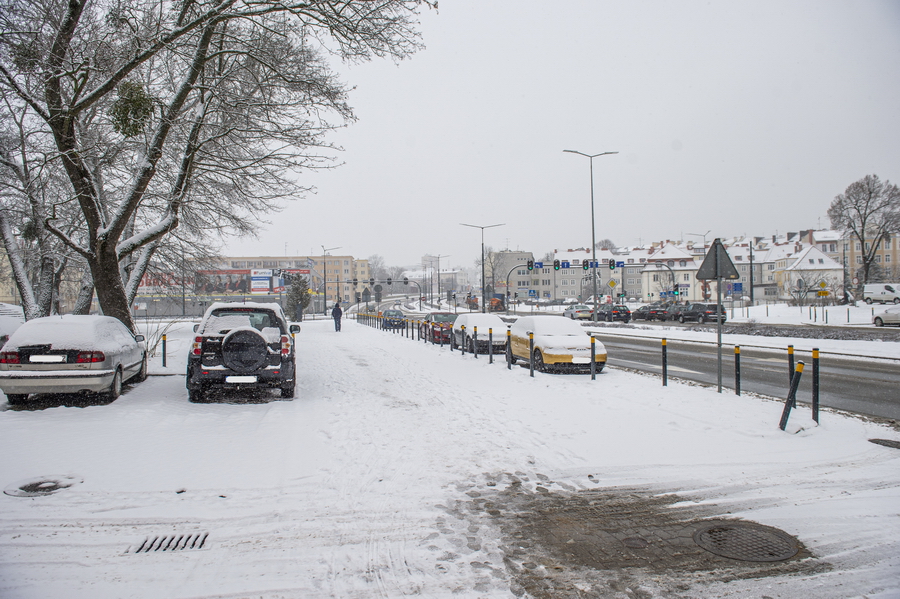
pixel 193 113
pixel 868 212
pixel 606 244
pixel 377 267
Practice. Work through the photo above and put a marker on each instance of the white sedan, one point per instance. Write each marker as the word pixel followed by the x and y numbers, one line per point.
pixel 71 354
pixel 889 316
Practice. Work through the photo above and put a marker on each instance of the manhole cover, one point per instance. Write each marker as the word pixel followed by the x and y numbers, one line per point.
pixel 886 443
pixel 44 485
pixel 746 541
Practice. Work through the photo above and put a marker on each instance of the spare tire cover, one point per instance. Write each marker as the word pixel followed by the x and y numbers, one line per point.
pixel 244 350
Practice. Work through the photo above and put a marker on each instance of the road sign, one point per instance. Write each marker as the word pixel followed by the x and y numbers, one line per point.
pixel 823 293
pixel 532 293
pixel 620 265
pixel 539 265
pixel 612 283
pixel 565 264
pixel 822 284
pixel 717 264
pixel 738 286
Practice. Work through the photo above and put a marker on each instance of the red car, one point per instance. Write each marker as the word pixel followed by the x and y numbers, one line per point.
pixel 436 326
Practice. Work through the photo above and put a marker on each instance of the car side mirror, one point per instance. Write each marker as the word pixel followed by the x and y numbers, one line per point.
pixel 138 338
pixel 294 328
pixel 196 326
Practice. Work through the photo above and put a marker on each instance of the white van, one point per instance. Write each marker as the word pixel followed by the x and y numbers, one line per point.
pixel 881 293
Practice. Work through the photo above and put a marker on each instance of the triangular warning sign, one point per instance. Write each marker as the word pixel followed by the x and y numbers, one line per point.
pixel 717 264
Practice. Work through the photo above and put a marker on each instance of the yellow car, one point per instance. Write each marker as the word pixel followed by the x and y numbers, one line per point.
pixel 559 344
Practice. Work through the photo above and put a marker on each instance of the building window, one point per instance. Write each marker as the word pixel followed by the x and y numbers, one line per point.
pixel 878 258
pixel 565 281
pixel 682 263
pixel 858 246
pixel 687 277
pixel 743 268
pixel 655 278
pixel 545 282
pixel 859 259
pixel 738 258
pixel 887 257
pixel 770 266
pixel 811 261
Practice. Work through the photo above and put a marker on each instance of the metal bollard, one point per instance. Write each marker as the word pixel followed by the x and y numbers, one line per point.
pixel 815 384
pixel 490 346
pixel 164 351
pixel 790 363
pixel 665 365
pixel 508 349
pixel 531 353
pixel 475 340
pixel 791 400
pixel 593 356
pixel 463 345
pixel 737 369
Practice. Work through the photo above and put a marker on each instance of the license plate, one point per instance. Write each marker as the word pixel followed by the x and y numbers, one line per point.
pixel 577 360
pixel 47 359
pixel 240 379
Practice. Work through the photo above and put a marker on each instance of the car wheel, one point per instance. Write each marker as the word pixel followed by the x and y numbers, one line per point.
pixel 701 319
pixel 142 373
pixel 879 322
pixel 897 300
pixel 869 300
pixel 16 399
pixel 598 367
pixel 539 362
pixel 471 346
pixel 115 388
pixel 681 319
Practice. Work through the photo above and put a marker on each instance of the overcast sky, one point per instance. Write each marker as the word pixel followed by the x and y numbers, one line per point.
pixel 728 117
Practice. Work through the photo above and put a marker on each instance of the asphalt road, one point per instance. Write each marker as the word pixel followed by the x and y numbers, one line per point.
pixel 869 387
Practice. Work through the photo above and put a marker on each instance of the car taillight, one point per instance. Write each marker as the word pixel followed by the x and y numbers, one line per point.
pixel 285 345
pixel 196 346
pixel 9 357
pixel 85 357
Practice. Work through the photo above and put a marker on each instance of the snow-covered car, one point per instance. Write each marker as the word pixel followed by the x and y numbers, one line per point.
pixel 559 344
pixel 578 311
pixel 8 326
pixel 491 330
pixel 436 326
pixel 890 316
pixel 242 346
pixel 71 354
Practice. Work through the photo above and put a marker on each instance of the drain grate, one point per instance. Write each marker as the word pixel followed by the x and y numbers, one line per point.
pixel 173 543
pixel 886 443
pixel 747 541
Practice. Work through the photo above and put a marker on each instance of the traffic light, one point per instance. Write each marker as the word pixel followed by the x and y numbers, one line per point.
pixel 585 264
pixel 389 281
pixel 556 265
pixel 406 280
pixel 675 292
pixel 612 264
pixel 355 282
pixel 531 265
pixel 372 281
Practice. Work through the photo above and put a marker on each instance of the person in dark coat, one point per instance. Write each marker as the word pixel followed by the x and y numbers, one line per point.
pixel 336 314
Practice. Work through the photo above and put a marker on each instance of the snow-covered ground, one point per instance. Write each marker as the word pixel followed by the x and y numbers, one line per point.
pixel 363 485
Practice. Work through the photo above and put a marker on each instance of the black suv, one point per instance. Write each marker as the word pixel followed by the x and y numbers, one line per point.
pixel 611 312
pixel 242 346
pixel 702 313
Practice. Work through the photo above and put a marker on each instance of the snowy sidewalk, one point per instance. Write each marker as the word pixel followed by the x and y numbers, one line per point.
pixel 406 469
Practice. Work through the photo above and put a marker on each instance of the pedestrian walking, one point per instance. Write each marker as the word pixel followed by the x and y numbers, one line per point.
pixel 336 314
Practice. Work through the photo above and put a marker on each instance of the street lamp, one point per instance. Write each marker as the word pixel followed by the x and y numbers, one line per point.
pixel 593 228
pixel 483 295
pixel 325 278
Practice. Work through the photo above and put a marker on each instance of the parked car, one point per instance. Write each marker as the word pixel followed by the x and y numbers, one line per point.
pixel 889 316
pixel 71 354
pixel 491 331
pixel 674 311
pixel 702 313
pixel 392 319
pixel 657 311
pixel 559 344
pixel 242 346
pixel 882 293
pixel 436 326
pixel 578 311
pixel 642 313
pixel 611 312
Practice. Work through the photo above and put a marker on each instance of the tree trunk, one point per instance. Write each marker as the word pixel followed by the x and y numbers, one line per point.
pixel 110 288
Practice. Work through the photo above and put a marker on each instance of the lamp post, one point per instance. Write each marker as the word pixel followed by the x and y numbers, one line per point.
pixel 439 256
pixel 325 279
pixel 482 256
pixel 593 227
pixel 671 272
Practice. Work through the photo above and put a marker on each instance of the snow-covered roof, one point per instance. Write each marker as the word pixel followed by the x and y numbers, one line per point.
pixel 812 258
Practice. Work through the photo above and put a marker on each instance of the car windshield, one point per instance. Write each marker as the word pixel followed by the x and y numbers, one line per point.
pixel 393 314
pixel 443 317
